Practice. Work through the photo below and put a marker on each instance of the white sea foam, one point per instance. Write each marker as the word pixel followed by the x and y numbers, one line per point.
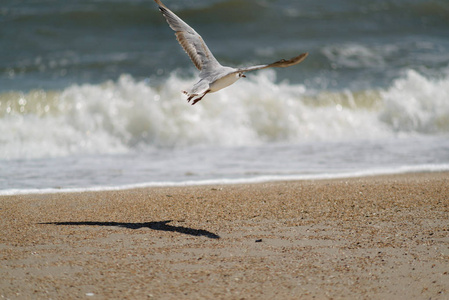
pixel 417 104
pixel 353 55
pixel 117 117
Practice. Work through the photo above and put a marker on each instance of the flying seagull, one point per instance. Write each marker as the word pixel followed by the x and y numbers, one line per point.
pixel 213 76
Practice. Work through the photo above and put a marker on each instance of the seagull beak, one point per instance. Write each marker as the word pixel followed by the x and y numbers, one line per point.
pixel 243 75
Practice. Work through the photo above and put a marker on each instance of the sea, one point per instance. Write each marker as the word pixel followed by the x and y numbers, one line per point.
pixel 90 93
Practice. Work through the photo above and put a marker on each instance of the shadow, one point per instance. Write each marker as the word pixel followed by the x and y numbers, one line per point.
pixel 161 225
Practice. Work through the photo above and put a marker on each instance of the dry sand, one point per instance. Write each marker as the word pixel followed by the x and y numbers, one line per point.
pixel 383 237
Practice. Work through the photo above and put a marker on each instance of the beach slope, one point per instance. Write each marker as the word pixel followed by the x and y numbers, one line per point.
pixel 362 238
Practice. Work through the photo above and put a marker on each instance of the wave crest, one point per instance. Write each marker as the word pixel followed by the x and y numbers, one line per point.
pixel 417 104
pixel 122 116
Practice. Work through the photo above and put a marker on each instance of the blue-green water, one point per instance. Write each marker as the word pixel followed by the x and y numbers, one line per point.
pixel 54 44
pixel 84 81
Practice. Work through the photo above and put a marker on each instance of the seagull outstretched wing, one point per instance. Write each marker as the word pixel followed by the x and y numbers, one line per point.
pixel 190 40
pixel 279 64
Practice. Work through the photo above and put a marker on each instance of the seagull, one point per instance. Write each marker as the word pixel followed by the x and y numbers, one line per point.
pixel 213 76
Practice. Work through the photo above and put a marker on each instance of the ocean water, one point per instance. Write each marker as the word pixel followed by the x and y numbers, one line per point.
pixel 90 93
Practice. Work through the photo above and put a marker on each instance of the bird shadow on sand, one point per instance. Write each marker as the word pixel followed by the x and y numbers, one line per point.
pixel 161 225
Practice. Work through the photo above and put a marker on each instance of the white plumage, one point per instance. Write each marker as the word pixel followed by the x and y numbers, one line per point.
pixel 213 76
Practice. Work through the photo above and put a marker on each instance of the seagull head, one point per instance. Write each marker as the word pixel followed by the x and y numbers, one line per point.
pixel 242 75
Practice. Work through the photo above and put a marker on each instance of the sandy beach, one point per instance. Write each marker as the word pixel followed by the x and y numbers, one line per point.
pixel 384 237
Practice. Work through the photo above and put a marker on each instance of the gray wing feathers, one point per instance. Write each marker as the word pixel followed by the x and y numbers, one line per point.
pixel 278 64
pixel 192 43
pixel 190 46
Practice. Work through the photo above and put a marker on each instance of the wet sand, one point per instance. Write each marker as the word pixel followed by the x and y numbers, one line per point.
pixel 384 237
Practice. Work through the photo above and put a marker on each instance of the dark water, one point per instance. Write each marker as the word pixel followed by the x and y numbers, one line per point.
pixel 53 44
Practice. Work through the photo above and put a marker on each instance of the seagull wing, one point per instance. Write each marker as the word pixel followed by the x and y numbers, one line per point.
pixel 279 64
pixel 190 40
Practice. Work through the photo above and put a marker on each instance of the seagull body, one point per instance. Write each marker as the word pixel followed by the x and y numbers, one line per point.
pixel 213 76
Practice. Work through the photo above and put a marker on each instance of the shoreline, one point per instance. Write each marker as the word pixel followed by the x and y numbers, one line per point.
pixel 368 237
pixel 410 170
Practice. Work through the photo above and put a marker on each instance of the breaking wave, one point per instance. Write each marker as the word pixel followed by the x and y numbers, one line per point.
pixel 127 115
